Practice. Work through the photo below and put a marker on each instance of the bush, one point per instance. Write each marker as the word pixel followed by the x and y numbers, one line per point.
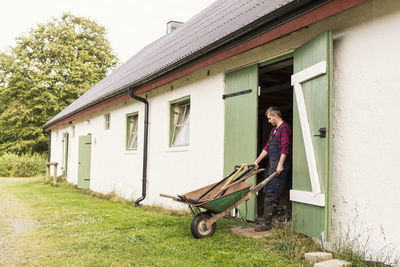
pixel 22 165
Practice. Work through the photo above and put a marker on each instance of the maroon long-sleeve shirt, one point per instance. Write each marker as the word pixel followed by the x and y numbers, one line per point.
pixel 284 134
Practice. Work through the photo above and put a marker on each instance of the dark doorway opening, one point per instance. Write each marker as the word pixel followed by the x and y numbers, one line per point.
pixel 275 90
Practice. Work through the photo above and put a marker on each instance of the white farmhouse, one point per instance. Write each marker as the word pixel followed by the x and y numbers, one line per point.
pixel 186 109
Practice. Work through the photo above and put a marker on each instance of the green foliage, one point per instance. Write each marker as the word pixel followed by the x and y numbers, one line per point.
pixel 293 245
pixel 47 70
pixel 22 165
pixel 359 252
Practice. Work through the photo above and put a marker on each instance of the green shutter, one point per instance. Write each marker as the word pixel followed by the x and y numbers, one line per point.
pixel 84 158
pixel 241 126
pixel 311 112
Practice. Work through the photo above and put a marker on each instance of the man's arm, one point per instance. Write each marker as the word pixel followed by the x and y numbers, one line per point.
pixel 279 168
pixel 262 155
pixel 284 140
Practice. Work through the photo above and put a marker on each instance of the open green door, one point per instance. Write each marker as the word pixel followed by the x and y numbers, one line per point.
pixel 84 156
pixel 312 135
pixel 241 102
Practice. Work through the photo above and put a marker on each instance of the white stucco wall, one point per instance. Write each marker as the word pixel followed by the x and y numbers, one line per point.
pixel 170 170
pixel 365 180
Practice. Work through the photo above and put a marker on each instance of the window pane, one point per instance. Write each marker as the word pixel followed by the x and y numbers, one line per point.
pixel 132 132
pixel 181 115
pixel 181 126
pixel 177 136
pixel 107 121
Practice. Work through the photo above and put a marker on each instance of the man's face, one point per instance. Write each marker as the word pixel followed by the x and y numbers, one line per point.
pixel 272 119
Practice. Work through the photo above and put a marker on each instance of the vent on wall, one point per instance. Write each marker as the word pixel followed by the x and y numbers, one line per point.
pixel 173 25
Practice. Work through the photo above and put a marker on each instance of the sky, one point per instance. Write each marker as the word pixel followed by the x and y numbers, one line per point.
pixel 131 24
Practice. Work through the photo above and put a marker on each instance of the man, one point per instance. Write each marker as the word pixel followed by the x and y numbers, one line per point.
pixel 278 148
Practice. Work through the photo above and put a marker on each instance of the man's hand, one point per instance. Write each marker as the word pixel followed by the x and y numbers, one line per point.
pixel 279 168
pixel 256 166
pixel 260 158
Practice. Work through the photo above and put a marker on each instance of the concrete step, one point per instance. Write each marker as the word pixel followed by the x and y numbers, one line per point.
pixel 314 257
pixel 332 263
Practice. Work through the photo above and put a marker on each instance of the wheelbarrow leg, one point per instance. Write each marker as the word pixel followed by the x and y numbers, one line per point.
pixel 211 221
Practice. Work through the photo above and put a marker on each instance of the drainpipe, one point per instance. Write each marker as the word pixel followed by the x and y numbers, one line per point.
pixel 145 141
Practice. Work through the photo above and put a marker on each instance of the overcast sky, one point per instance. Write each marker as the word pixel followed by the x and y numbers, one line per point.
pixel 131 24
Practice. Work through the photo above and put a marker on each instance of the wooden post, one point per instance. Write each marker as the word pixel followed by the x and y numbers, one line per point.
pixel 48 169
pixel 55 174
pixel 47 178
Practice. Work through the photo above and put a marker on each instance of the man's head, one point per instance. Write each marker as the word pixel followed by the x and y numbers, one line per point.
pixel 274 115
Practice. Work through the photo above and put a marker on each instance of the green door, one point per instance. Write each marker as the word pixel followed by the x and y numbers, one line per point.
pixel 312 135
pixel 85 149
pixel 65 154
pixel 241 126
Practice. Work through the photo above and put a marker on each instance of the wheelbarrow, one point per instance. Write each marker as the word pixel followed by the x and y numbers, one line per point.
pixel 218 199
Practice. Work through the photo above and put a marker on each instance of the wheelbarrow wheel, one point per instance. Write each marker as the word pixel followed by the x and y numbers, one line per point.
pixel 198 226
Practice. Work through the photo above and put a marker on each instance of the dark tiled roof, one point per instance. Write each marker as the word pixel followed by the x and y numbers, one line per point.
pixel 221 19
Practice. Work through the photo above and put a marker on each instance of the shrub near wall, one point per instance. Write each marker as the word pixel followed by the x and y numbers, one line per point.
pixel 22 165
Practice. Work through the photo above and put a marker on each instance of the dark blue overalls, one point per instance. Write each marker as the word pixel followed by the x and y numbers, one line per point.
pixel 272 190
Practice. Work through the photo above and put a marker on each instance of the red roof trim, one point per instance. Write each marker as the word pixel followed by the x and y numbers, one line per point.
pixel 308 18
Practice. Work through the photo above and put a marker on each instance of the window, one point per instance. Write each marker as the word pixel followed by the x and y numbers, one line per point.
pixel 107 121
pixel 132 131
pixel 179 122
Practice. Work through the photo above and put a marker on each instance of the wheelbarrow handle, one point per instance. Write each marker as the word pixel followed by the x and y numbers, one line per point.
pixel 244 178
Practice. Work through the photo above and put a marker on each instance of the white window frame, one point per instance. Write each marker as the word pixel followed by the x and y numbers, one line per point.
pixel 107 120
pixel 131 135
pixel 184 103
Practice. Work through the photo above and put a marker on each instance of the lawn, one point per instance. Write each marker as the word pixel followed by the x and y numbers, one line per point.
pixel 74 228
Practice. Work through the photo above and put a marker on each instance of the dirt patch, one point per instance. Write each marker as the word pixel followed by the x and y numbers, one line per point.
pixel 249 232
pixel 13 221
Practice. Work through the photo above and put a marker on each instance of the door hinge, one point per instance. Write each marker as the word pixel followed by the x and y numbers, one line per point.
pixel 86 179
pixel 237 93
pixel 88 143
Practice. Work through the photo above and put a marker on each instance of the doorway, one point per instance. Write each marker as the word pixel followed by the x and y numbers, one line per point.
pixel 275 89
pixel 84 161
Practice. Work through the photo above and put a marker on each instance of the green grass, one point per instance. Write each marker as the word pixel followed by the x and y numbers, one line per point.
pixel 75 228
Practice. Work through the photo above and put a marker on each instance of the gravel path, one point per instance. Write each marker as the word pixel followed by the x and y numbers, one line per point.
pixel 13 220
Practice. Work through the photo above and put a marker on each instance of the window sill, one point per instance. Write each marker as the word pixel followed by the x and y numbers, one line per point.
pixel 178 149
pixel 128 152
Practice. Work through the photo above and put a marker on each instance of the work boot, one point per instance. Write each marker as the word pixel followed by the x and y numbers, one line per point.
pixel 267 219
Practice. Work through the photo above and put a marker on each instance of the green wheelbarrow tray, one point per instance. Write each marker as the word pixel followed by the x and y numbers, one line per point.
pixel 216 204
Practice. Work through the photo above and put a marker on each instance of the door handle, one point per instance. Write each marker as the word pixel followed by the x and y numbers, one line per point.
pixel 322 132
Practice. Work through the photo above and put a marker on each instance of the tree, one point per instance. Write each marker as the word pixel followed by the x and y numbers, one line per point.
pixel 47 70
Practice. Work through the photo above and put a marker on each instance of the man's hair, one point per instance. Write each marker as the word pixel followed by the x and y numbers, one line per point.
pixel 273 110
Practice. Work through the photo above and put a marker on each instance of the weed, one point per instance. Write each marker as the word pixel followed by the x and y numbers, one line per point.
pixel 292 244
pixel 13 169
pixel 349 249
